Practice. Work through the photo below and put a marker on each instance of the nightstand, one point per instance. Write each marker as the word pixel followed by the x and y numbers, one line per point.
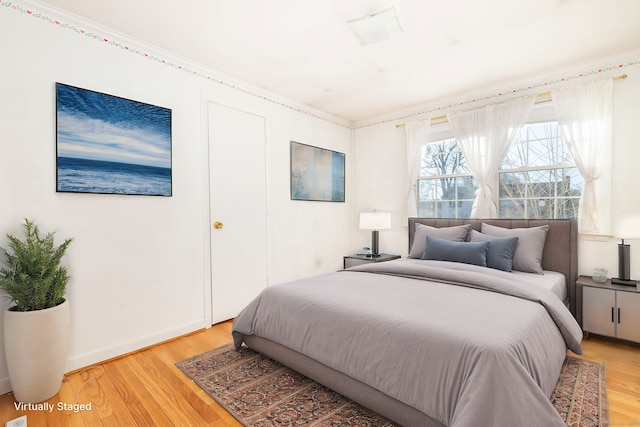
pixel 353 260
pixel 609 310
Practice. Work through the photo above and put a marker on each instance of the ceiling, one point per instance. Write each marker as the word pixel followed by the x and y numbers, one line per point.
pixel 304 50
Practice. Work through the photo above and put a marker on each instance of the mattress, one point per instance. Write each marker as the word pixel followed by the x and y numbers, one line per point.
pixel 550 280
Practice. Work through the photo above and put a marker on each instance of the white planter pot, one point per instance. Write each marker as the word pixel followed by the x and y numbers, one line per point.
pixel 36 346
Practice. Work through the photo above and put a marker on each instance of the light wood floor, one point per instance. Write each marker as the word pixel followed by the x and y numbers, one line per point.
pixel 146 389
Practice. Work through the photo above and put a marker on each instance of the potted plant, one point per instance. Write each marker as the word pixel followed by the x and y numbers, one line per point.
pixel 36 327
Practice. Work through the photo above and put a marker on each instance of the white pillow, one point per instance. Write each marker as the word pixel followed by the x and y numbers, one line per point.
pixel 528 254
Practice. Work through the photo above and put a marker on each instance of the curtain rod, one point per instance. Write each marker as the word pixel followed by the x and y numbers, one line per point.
pixel 540 98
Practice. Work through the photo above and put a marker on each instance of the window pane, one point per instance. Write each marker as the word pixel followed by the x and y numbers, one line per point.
pixel 511 208
pixel 448 186
pixel 448 209
pixel 466 188
pixel 428 209
pixel 429 189
pixel 564 155
pixel 517 155
pixel 443 158
pixel 552 192
pixel 446 197
pixel 571 183
pixel 540 208
pixel 543 141
pixel 568 208
pixel 537 144
pixel 464 209
pixel 512 185
pixel 541 183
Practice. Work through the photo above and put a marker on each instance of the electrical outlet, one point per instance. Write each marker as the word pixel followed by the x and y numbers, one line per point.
pixel 17 422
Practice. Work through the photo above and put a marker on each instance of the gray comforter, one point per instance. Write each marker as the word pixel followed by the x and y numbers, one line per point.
pixel 463 344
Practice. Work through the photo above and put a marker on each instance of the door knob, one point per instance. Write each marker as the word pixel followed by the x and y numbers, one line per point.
pixel 217 225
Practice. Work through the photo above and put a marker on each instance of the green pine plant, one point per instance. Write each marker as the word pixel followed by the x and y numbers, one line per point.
pixel 33 278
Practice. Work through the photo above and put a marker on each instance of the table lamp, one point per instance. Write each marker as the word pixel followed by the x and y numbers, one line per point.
pixel 628 228
pixel 375 221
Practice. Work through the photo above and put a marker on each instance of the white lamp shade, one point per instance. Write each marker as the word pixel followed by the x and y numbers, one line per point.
pixel 375 220
pixel 628 228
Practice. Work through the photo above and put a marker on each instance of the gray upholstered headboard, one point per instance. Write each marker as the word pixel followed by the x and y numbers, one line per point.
pixel 560 249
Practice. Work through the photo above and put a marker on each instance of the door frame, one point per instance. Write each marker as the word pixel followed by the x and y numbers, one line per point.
pixel 205 100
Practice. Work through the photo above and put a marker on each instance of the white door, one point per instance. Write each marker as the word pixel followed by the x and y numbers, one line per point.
pixel 237 172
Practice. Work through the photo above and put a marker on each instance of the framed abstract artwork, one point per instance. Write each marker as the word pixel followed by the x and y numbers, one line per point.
pixel 317 174
pixel 110 145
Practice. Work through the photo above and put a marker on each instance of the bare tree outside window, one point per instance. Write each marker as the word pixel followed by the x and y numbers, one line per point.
pixel 538 178
pixel 450 189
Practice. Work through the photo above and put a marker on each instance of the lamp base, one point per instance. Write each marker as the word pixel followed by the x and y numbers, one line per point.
pixel 616 281
pixel 374 244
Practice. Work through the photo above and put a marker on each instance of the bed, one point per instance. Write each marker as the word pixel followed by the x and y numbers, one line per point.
pixel 433 342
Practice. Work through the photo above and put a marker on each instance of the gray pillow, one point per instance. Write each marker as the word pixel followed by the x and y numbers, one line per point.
pixel 528 254
pixel 467 252
pixel 501 250
pixel 457 233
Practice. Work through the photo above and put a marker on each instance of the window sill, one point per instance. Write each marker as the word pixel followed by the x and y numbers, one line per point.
pixel 592 237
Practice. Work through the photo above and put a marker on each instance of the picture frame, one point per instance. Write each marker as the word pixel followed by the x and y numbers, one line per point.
pixel 106 144
pixel 317 174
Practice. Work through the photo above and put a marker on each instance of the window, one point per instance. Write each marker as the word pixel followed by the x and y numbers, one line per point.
pixel 446 188
pixel 537 179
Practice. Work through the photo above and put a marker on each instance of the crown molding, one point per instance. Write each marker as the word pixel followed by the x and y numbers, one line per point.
pixel 105 36
pixel 606 67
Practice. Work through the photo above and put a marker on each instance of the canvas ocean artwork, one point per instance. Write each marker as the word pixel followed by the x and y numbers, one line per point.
pixel 112 145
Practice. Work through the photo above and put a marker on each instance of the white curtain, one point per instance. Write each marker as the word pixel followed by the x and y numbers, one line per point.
pixel 484 136
pixel 417 134
pixel 585 116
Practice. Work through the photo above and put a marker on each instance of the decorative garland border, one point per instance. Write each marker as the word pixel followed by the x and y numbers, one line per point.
pixel 133 50
pixel 505 94
pixel 141 53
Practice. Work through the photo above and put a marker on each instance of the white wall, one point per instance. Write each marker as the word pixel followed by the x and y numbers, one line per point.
pixel 139 264
pixel 380 152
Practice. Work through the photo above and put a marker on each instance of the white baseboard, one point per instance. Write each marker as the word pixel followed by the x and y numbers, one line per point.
pixel 5 386
pixel 91 358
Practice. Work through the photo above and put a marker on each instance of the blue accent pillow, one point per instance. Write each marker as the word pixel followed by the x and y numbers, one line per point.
pixel 465 252
pixel 501 250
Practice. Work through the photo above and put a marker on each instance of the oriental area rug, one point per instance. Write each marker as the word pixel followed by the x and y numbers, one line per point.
pixel 260 392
